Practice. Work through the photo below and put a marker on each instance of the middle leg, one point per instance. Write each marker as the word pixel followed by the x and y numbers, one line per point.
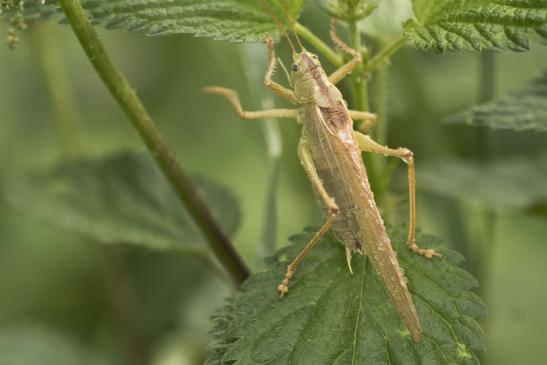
pixel 309 166
pixel 368 119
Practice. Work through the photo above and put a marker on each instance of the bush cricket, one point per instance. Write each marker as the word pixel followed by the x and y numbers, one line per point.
pixel 330 153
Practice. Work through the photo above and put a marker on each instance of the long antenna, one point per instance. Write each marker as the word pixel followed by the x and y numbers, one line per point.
pixel 286 12
pixel 298 39
pixel 281 26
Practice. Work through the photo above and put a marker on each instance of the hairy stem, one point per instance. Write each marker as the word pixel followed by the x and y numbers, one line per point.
pixel 319 45
pixel 143 123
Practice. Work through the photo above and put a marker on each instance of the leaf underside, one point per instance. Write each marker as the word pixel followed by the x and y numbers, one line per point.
pixel 476 25
pixel 233 20
pixel 119 199
pixel 520 110
pixel 330 316
pixel 516 182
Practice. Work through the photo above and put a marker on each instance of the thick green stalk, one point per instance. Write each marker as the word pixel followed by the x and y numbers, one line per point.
pixel 141 120
pixel 319 45
pixel 380 136
pixel 360 94
pixel 360 99
pixel 380 108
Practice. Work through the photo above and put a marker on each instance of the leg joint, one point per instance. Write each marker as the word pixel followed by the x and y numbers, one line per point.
pixel 406 154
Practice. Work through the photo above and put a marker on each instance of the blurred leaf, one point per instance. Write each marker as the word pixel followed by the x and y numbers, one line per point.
pixel 234 20
pixel 518 183
pixel 119 199
pixel 188 344
pixel 348 10
pixel 386 22
pixel 476 25
pixel 33 346
pixel 333 317
pixel 520 110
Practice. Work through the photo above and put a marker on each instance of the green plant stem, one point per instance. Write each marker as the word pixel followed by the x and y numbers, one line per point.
pixel 360 95
pixel 380 135
pixel 139 117
pixel 487 85
pixel 122 298
pixel 380 130
pixel 360 99
pixel 384 54
pixel 268 236
pixel 68 125
pixel 319 45
pixel 486 218
pixel 67 120
pixel 487 76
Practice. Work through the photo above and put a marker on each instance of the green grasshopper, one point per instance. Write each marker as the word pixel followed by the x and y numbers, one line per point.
pixel 330 152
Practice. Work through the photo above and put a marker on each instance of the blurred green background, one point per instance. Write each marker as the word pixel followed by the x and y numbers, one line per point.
pixel 59 293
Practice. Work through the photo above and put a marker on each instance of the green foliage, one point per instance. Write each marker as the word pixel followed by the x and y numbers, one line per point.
pixel 331 316
pixel 520 110
pixel 119 199
pixel 349 10
pixel 234 20
pixel 35 345
pixel 386 20
pixel 476 25
pixel 6 5
pixel 16 20
pixel 517 183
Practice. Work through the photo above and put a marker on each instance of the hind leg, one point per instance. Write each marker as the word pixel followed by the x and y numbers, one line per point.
pixel 366 144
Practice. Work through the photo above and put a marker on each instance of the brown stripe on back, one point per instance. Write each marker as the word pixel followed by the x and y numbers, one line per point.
pixel 336 116
pixel 323 84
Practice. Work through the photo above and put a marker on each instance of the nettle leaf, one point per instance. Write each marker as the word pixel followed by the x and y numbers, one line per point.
pixel 330 316
pixel 517 182
pixel 476 25
pixel 234 20
pixel 520 110
pixel 119 199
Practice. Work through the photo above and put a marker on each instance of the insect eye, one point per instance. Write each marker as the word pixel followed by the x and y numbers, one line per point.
pixel 294 66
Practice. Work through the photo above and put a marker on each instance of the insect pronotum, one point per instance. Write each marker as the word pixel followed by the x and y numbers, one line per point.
pixel 330 152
